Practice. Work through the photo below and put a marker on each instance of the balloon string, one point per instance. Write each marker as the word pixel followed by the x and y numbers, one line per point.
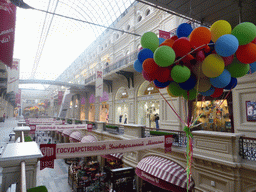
pixel 172 108
pixel 192 52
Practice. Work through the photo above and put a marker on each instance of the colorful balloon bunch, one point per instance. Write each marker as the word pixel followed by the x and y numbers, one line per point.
pixel 198 60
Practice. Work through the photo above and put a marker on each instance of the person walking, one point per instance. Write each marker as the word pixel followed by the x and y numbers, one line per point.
pixel 4 116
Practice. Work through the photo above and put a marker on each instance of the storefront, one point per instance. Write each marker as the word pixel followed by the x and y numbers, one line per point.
pixel 214 114
pixel 161 175
pixel 121 106
pixel 104 107
pixel 91 116
pixel 148 105
pixel 82 109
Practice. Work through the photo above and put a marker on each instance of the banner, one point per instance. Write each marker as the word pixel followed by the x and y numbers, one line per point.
pixel 60 97
pixel 7 29
pixel 18 98
pixel 164 34
pixel 13 76
pixel 99 84
pixel 48 150
pixel 69 150
pixel 168 140
pixel 37 121
pixel 59 127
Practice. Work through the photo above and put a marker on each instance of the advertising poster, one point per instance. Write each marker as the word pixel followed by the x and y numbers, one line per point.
pixel 99 84
pixel 13 77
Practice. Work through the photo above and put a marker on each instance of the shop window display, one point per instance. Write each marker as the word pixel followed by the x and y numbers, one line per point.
pixel 122 113
pixel 104 112
pixel 148 113
pixel 92 112
pixel 214 115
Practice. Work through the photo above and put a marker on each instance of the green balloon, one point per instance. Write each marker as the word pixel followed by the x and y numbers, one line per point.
pixel 180 73
pixel 164 56
pixel 150 41
pixel 238 69
pixel 244 32
pixel 191 95
pixel 175 89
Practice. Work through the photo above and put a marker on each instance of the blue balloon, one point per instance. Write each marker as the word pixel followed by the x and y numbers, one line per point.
pixel 161 85
pixel 252 68
pixel 226 45
pixel 138 66
pixel 209 92
pixel 184 30
pixel 232 83
pixel 145 54
pixel 161 40
pixel 189 84
pixel 222 80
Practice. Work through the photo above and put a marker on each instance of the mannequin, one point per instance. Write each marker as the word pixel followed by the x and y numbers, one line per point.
pixel 125 118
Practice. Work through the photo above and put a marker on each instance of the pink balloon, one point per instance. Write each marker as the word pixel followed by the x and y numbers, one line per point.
pixel 228 60
pixel 200 56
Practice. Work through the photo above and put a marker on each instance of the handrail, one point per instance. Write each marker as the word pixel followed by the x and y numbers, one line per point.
pixel 23 187
pixel 23 177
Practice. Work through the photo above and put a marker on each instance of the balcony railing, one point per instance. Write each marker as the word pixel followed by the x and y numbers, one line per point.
pixel 247 147
pixel 120 63
pixel 180 138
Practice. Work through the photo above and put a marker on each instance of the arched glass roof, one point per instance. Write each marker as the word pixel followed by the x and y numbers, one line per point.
pixel 53 42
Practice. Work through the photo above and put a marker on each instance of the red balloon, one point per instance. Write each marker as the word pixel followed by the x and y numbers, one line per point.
pixel 149 76
pixel 228 60
pixel 181 46
pixel 163 74
pixel 140 48
pixel 218 92
pixel 200 36
pixel 150 66
pixel 174 37
pixel 167 42
pixel 246 53
pixel 254 41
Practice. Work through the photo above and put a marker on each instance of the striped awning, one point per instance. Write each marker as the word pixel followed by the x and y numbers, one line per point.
pixel 163 173
pixel 76 135
pixel 59 131
pixel 113 156
pixel 88 139
pixel 67 132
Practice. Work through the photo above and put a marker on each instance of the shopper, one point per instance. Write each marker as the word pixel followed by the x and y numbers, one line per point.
pixel 156 120
pixel 4 117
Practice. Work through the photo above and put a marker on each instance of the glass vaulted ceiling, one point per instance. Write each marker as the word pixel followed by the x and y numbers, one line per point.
pixel 55 42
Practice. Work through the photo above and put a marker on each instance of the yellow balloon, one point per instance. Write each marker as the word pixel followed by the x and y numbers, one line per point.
pixel 213 65
pixel 169 92
pixel 203 84
pixel 220 28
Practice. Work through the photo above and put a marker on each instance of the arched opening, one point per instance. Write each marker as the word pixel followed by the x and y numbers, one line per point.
pixel 148 105
pixel 121 106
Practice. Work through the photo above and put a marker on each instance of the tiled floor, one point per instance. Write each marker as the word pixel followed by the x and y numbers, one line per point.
pixel 56 180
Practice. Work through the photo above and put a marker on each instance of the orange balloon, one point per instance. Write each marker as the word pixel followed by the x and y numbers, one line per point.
pixel 246 53
pixel 200 36
pixel 168 42
pixel 150 66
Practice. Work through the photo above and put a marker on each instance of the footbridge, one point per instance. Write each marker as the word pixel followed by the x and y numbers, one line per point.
pixel 52 82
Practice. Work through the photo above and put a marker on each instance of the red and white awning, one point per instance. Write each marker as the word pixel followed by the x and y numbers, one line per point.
pixel 67 132
pixel 163 173
pixel 88 139
pixel 76 135
pixel 113 156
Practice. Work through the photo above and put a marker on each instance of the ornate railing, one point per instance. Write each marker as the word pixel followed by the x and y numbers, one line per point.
pixel 120 63
pixel 180 138
pixel 247 148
